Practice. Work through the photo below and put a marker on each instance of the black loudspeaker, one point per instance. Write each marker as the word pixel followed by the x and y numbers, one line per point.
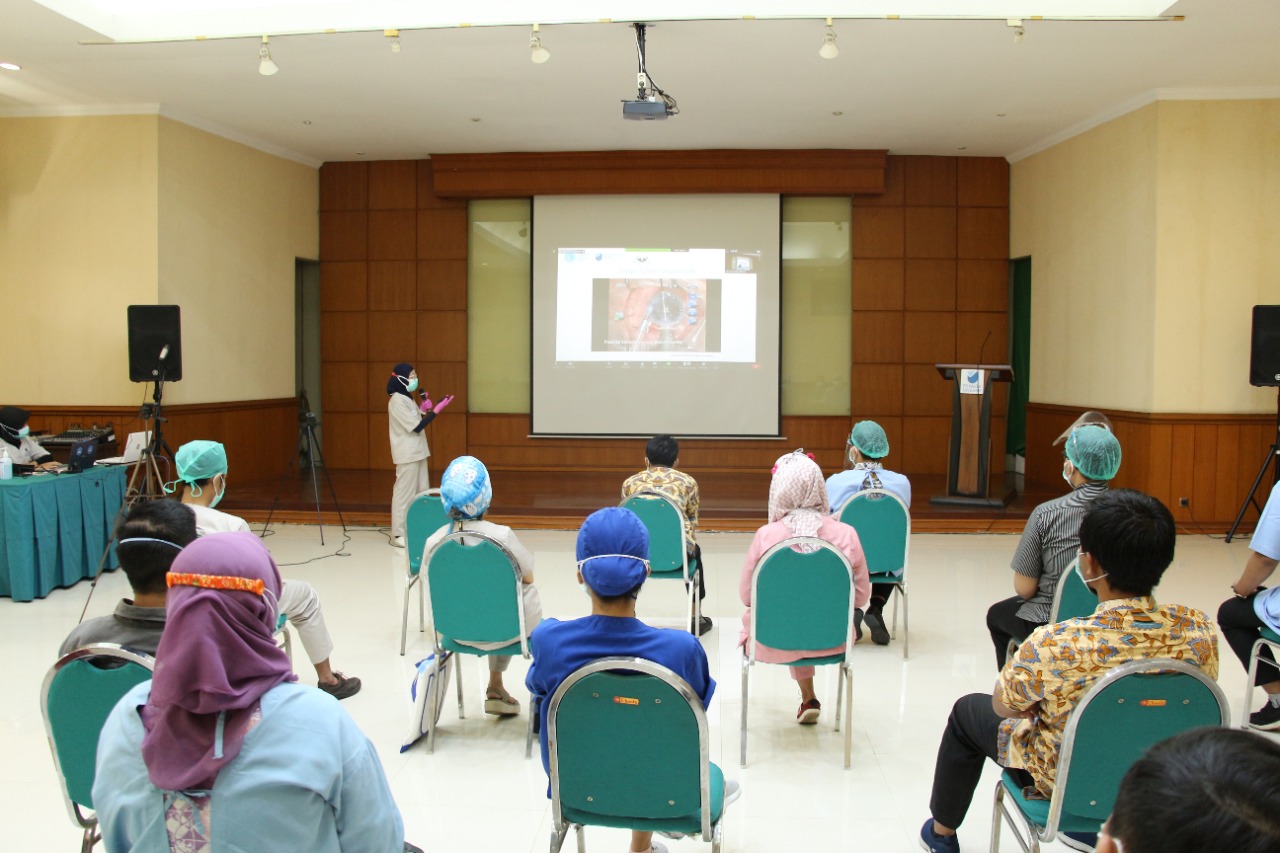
pixel 155 343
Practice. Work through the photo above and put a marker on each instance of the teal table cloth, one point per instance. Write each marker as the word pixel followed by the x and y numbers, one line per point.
pixel 53 529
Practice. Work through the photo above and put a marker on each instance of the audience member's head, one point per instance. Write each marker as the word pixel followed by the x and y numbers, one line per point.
pixel 613 553
pixel 1206 789
pixel 202 464
pixel 797 488
pixel 869 439
pixel 1087 419
pixel 1094 452
pixel 662 451
pixel 1130 537
pixel 148 540
pixel 13 424
pixel 218 657
pixel 465 489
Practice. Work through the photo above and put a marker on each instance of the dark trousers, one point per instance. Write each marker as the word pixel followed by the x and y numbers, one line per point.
pixel 1005 624
pixel 972 732
pixel 695 564
pixel 1240 625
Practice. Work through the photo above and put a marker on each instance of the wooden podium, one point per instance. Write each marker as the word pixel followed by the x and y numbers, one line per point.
pixel 968 472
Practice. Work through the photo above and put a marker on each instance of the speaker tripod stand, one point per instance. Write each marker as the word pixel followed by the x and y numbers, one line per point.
pixel 309 447
pixel 1269 460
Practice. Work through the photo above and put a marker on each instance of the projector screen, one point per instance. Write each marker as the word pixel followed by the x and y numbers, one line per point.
pixel 656 314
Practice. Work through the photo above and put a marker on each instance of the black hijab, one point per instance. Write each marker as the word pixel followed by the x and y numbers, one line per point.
pixel 12 419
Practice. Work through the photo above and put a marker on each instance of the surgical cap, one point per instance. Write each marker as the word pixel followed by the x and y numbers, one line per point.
pixel 1095 452
pixel 200 460
pixel 613 551
pixel 869 438
pixel 465 489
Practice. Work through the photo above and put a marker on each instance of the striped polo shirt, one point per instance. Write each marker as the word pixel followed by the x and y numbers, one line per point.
pixel 1049 544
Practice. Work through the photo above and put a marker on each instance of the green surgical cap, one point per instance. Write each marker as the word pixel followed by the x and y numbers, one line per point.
pixel 1095 452
pixel 200 460
pixel 869 438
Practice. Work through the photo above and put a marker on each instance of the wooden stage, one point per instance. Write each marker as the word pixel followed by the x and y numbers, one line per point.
pixel 729 501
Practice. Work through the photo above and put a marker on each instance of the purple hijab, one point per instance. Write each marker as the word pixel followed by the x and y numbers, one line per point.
pixel 216 658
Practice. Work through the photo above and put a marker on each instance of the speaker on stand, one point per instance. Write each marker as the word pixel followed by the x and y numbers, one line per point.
pixel 1264 372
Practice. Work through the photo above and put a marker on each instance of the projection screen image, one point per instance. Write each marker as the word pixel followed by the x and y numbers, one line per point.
pixel 656 314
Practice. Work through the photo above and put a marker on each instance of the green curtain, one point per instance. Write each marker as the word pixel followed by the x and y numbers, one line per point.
pixel 1020 356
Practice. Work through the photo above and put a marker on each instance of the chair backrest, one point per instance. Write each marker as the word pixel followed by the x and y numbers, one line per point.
pixel 883 523
pixel 802 600
pixel 1129 709
pixel 628 738
pixel 475 589
pixel 662 516
pixel 425 516
pixel 1072 597
pixel 79 692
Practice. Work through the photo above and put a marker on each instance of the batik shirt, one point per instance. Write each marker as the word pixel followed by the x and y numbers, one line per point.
pixel 1059 662
pixel 678 486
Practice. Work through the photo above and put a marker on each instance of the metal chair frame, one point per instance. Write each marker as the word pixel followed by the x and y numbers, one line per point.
pixel 1255 658
pixel 411 579
pixel 900 585
pixel 844 685
pixel 1055 608
pixel 695 605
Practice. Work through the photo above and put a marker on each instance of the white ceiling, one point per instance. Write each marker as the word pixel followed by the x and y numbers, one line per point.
pixel 913 87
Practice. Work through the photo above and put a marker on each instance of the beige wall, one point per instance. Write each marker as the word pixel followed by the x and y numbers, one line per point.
pixel 1151 237
pixel 232 222
pixel 98 213
pixel 78 242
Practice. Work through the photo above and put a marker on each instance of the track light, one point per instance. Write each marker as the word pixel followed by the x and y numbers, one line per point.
pixel 1018 30
pixel 829 50
pixel 394 35
pixel 537 53
pixel 266 65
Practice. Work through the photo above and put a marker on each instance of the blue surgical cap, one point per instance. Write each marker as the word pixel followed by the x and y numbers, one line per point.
pixel 613 551
pixel 1094 451
pixel 465 490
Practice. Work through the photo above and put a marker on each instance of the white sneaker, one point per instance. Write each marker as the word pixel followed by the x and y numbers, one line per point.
pixel 732 790
pixel 397 542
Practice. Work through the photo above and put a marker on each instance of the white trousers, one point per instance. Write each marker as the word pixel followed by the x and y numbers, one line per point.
pixel 411 480
pixel 300 604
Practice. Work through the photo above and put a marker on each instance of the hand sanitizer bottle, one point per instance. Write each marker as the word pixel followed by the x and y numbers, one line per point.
pixel 6 466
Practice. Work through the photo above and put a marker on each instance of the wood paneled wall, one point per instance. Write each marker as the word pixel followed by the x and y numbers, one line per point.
pixel 260 435
pixel 930 281
pixel 1209 459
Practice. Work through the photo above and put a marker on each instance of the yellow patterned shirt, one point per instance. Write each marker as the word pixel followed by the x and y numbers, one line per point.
pixel 677 485
pixel 1056 665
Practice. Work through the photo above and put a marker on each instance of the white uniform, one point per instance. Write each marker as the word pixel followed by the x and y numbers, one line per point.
pixel 410 453
pixel 299 601
pixel 26 452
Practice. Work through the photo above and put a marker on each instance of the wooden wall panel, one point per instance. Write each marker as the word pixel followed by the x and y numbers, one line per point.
pixel 878 233
pixel 930 181
pixel 930 232
pixel 930 285
pixel 442 285
pixel 344 186
pixel 877 392
pixel 344 336
pixel 894 187
pixel 926 444
pixel 442 336
pixel 877 337
pixel 929 337
pixel 393 285
pixel 392 235
pixel 442 234
pixel 983 232
pixel 347 438
pixel 879 284
pixel 344 235
pixel 345 386
pixel 982 285
pixel 982 182
pixel 393 185
pixel 925 391
pixel 392 337
pixel 344 286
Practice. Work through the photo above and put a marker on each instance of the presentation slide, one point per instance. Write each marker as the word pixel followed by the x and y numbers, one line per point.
pixel 656 314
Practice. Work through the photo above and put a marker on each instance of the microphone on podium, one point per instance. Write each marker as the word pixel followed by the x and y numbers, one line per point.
pixel 981 349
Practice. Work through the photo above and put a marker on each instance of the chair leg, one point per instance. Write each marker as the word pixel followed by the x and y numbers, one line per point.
pixel 582 839
pixel 422 608
pixel 746 672
pixel 839 695
pixel 906 625
pixel 557 838
pixel 462 714
pixel 404 617
pixel 717 836
pixel 91 837
pixel 1029 844
pixel 893 627
pixel 848 723
pixel 528 737
pixel 435 713
pixel 695 605
pixel 997 813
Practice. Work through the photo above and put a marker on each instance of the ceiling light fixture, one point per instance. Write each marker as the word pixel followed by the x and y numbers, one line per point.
pixel 829 49
pixel 1018 30
pixel 394 35
pixel 537 53
pixel 266 65
pixel 10 66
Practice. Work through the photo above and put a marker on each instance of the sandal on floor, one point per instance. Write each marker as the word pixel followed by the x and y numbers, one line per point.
pixel 501 704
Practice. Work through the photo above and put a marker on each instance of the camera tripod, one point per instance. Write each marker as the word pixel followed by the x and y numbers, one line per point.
pixel 1272 452
pixel 309 448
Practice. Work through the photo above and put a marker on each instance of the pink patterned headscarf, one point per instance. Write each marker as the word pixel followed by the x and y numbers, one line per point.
pixel 798 494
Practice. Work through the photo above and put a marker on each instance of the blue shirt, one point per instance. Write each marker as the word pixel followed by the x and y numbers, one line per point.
pixel 846 484
pixel 559 648
pixel 1266 541
pixel 306 778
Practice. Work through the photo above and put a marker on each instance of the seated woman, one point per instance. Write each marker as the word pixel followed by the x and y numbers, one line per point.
pixel 466 493
pixel 798 507
pixel 14 433
pixel 222 750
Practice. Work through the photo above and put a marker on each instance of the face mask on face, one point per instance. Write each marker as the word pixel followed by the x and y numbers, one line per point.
pixel 24 432
pixel 1066 476
pixel 412 385
pixel 218 496
pixel 1088 581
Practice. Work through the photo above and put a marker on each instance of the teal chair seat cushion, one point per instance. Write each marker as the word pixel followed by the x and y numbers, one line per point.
pixel 819 661
pixel 450 645
pixel 1269 635
pixel 687 823
pixel 1037 811
pixel 886 577
pixel 677 573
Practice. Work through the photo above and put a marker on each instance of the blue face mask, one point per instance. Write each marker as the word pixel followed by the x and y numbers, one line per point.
pixel 24 432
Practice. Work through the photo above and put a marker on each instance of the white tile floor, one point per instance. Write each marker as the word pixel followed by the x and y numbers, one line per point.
pixel 477 793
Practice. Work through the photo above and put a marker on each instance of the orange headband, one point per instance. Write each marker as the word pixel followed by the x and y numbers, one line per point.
pixel 227 582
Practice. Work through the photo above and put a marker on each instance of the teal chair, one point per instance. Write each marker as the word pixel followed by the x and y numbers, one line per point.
pixel 1129 709
pixel 883 523
pixel 652 726
pixel 1072 597
pixel 668 546
pixel 282 636
pixel 425 516
pixel 78 694
pixel 1269 639
pixel 475 596
pixel 803 600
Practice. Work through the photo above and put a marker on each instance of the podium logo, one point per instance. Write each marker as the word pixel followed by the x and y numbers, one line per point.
pixel 972 377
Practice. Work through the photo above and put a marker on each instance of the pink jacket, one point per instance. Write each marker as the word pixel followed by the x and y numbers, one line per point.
pixel 841 535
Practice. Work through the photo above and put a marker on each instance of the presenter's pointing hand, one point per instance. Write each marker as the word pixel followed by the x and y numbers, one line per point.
pixel 426 404
pixel 443 404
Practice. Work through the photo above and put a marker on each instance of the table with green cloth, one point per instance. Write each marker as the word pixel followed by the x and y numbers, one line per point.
pixel 53 528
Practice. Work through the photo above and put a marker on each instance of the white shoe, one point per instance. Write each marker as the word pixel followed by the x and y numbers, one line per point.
pixel 397 542
pixel 658 847
pixel 732 790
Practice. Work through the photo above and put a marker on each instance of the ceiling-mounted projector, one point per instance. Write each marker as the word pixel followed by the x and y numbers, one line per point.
pixel 651 103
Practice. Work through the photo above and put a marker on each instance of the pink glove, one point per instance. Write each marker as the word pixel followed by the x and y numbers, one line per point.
pixel 443 404
pixel 426 404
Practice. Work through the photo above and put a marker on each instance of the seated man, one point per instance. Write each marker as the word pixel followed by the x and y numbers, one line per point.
pixel 1255 607
pixel 660 475
pixel 202 469
pixel 1206 789
pixel 1050 539
pixel 613 551
pixel 1126 543
pixel 147 541
pixel 867 447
